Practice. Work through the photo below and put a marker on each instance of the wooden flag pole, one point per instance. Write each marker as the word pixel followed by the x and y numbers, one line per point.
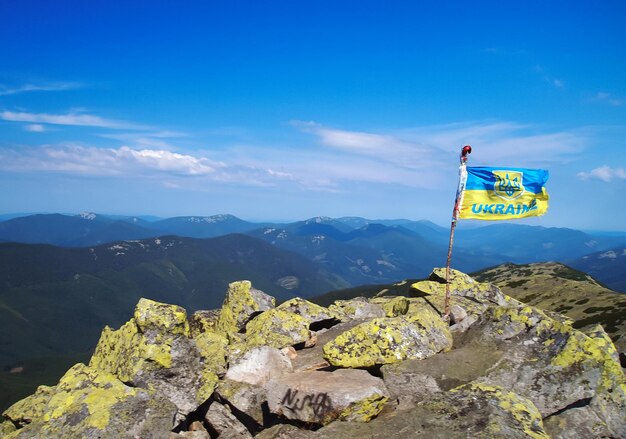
pixel 455 215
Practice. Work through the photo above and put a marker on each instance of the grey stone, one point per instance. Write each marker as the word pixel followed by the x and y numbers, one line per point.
pixel 465 413
pixel 321 397
pixel 258 365
pixel 225 423
pixel 245 397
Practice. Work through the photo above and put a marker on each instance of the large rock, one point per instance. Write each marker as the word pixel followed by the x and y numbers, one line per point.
pixel 241 304
pixel 153 350
pixel 465 286
pixel 389 340
pixel 277 328
pixel 246 398
pixel 90 403
pixel 321 397
pixel 258 365
pixel 412 381
pixel 225 424
pixel 313 313
pixel 203 321
pixel 357 308
pixel 392 306
pixel 554 365
pixel 479 412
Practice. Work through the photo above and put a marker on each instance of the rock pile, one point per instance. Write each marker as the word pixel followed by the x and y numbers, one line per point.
pixel 387 367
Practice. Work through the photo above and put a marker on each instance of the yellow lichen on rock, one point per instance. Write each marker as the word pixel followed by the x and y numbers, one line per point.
pixel 31 408
pixel 364 410
pixel 393 306
pixel 524 412
pixel 595 351
pixel 309 310
pixel 126 351
pixel 389 340
pixel 212 348
pixel 240 304
pixel 277 328
pixel 162 317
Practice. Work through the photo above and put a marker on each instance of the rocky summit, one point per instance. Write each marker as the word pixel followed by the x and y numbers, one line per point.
pixel 385 367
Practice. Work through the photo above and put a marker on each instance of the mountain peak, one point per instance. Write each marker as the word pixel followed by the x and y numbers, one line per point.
pixel 211 219
pixel 87 215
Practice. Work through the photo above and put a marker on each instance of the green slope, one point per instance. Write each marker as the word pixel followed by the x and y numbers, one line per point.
pixel 55 301
pixel 557 287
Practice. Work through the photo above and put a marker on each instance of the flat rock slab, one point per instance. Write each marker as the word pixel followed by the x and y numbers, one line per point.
pixel 258 365
pixel 321 397
pixel 412 381
pixel 468 412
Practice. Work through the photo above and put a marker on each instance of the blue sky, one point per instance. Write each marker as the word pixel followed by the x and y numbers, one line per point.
pixel 287 110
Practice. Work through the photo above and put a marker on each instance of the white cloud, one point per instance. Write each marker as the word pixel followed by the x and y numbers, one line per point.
pixel 35 128
pixel 432 147
pixel 171 168
pixel 608 98
pixel 604 173
pixel 558 83
pixel 53 86
pixel 72 119
pixel 104 161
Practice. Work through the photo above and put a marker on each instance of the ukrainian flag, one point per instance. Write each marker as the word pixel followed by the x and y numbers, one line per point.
pixel 504 193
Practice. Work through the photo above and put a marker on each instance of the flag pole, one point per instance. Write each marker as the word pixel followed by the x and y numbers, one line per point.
pixel 455 215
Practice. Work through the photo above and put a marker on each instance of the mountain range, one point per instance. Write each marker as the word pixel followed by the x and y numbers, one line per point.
pixel 359 250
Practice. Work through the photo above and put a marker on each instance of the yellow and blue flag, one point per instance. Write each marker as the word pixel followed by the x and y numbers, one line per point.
pixel 503 193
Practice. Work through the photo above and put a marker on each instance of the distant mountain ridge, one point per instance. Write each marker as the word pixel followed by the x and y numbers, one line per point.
pixel 360 250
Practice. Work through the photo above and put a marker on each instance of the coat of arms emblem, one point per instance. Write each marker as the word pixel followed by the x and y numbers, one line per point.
pixel 509 184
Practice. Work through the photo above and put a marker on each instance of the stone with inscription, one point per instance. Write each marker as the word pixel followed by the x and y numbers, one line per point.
pixel 321 397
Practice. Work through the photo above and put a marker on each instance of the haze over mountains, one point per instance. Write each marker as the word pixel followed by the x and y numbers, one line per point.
pixel 357 249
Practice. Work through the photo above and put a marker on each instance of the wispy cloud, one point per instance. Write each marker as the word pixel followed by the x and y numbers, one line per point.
pixel 35 128
pixel 604 173
pixel 558 83
pixel 434 146
pixel 608 98
pixel 385 147
pixel 6 90
pixel 138 163
pixel 104 161
pixel 71 119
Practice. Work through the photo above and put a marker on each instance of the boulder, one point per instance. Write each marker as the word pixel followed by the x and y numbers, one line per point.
pixel 224 423
pixel 153 350
pixel 321 397
pixel 244 397
pixel 412 381
pixel 313 358
pixel 258 365
pixel 241 304
pixel 205 320
pixel 315 314
pixel 554 365
pixel 392 306
pixel 389 340
pixel 357 308
pixel 479 412
pixel 464 285
pixel 277 328
pixel 90 403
